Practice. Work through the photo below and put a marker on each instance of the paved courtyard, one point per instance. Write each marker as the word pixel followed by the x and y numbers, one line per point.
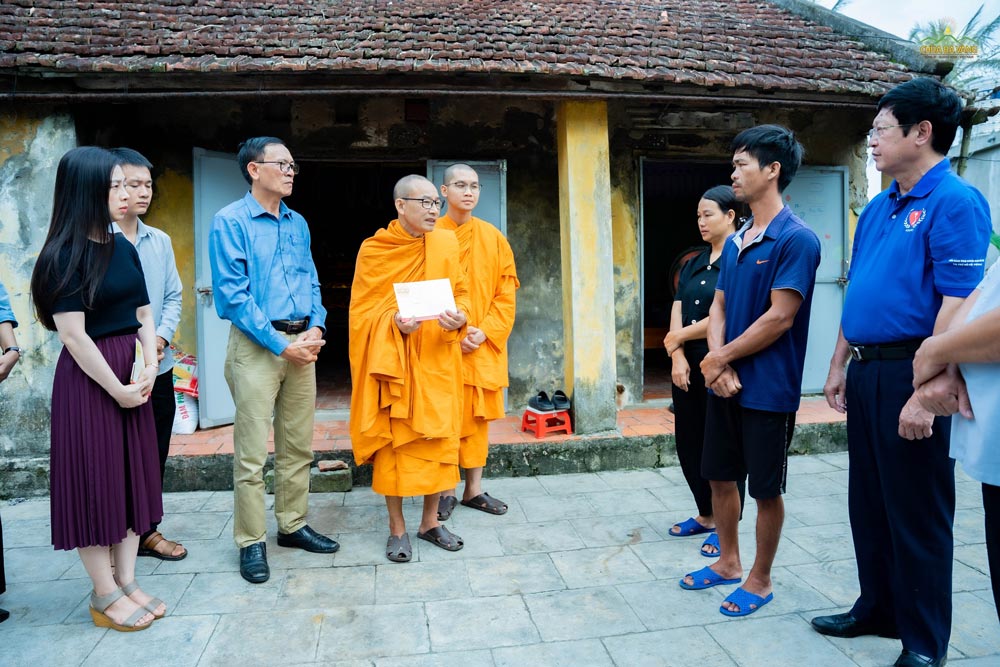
pixel 580 571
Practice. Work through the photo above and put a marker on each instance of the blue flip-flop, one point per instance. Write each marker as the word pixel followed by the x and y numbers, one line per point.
pixel 689 528
pixel 706 573
pixel 712 540
pixel 747 601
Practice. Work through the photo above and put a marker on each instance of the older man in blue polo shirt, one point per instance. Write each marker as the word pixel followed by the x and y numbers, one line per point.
pixel 757 330
pixel 919 251
pixel 265 282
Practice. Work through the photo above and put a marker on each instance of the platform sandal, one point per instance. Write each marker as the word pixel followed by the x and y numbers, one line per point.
pixel 99 605
pixel 150 606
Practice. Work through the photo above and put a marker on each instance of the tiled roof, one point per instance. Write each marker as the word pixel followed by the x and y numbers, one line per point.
pixel 737 43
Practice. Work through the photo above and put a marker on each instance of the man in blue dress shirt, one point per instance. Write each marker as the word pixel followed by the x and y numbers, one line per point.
pixel 265 283
pixel 919 251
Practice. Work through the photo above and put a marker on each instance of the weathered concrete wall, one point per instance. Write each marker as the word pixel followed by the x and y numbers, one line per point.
pixel 591 454
pixel 30 148
pixel 627 249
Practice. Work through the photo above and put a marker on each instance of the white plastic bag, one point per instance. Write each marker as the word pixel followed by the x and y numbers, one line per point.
pixel 186 417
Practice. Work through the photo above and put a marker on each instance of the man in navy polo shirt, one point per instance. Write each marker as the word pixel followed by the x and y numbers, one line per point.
pixel 919 250
pixel 757 331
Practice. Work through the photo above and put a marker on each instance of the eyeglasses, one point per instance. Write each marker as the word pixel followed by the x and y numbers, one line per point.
pixel 285 167
pixel 463 186
pixel 880 131
pixel 425 203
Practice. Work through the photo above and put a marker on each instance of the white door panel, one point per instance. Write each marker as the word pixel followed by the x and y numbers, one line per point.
pixel 217 182
pixel 818 195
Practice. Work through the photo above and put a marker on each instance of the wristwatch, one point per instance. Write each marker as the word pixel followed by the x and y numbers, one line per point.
pixel 12 348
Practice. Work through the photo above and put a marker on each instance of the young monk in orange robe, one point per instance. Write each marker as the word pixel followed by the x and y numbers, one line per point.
pixel 406 399
pixel 489 264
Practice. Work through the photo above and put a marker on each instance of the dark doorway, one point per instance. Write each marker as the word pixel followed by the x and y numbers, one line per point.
pixel 344 203
pixel 671 191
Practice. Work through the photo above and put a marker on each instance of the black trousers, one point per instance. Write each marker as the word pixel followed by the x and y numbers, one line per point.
pixel 901 497
pixel 689 433
pixel 164 408
pixel 991 503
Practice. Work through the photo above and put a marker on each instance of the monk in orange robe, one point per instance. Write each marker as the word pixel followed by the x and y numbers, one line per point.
pixel 406 374
pixel 489 264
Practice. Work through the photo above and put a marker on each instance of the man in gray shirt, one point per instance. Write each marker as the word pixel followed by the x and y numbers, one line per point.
pixel 164 287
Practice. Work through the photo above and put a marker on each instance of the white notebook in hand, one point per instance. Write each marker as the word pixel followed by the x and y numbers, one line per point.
pixel 139 365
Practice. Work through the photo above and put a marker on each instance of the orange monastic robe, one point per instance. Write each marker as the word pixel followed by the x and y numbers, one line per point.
pixel 406 398
pixel 489 264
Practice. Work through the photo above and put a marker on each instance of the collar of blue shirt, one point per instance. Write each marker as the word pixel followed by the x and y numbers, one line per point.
pixel 927 182
pixel 257 211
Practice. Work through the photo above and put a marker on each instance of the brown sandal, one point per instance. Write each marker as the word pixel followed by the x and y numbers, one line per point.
pixel 148 547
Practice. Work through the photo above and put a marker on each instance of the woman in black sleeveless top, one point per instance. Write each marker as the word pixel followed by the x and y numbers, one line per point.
pixel 687 346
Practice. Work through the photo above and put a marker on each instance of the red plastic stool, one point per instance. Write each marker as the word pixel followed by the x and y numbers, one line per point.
pixel 544 423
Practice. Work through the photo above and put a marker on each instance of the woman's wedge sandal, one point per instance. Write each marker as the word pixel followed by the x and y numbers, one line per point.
pixel 99 605
pixel 150 606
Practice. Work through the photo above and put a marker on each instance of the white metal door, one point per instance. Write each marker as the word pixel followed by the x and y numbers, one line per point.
pixel 818 195
pixel 217 182
pixel 492 206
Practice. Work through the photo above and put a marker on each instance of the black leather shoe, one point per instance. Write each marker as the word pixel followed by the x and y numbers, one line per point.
pixel 911 659
pixel 253 563
pixel 541 402
pixel 4 615
pixel 308 539
pixel 845 625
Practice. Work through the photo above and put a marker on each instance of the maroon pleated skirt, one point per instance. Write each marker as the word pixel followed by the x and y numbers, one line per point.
pixel 104 475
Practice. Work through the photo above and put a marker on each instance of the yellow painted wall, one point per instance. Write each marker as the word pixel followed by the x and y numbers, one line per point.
pixel 173 211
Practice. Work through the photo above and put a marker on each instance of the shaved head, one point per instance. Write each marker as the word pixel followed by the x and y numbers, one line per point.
pixel 451 172
pixel 407 185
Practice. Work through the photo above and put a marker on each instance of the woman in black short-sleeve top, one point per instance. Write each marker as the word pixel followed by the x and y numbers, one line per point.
pixel 104 468
pixel 687 346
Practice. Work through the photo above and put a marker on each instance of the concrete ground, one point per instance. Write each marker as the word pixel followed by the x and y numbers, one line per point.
pixel 580 571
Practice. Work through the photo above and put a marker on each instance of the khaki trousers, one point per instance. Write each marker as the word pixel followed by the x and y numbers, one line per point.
pixel 266 387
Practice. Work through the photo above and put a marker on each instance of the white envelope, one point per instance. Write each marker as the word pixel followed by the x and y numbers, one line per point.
pixel 424 299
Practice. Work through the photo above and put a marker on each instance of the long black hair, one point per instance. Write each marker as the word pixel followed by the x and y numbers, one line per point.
pixel 79 215
pixel 724 197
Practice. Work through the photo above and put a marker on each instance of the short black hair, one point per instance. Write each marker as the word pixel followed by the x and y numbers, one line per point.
pixel 927 99
pixel 252 150
pixel 772 143
pixel 131 157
